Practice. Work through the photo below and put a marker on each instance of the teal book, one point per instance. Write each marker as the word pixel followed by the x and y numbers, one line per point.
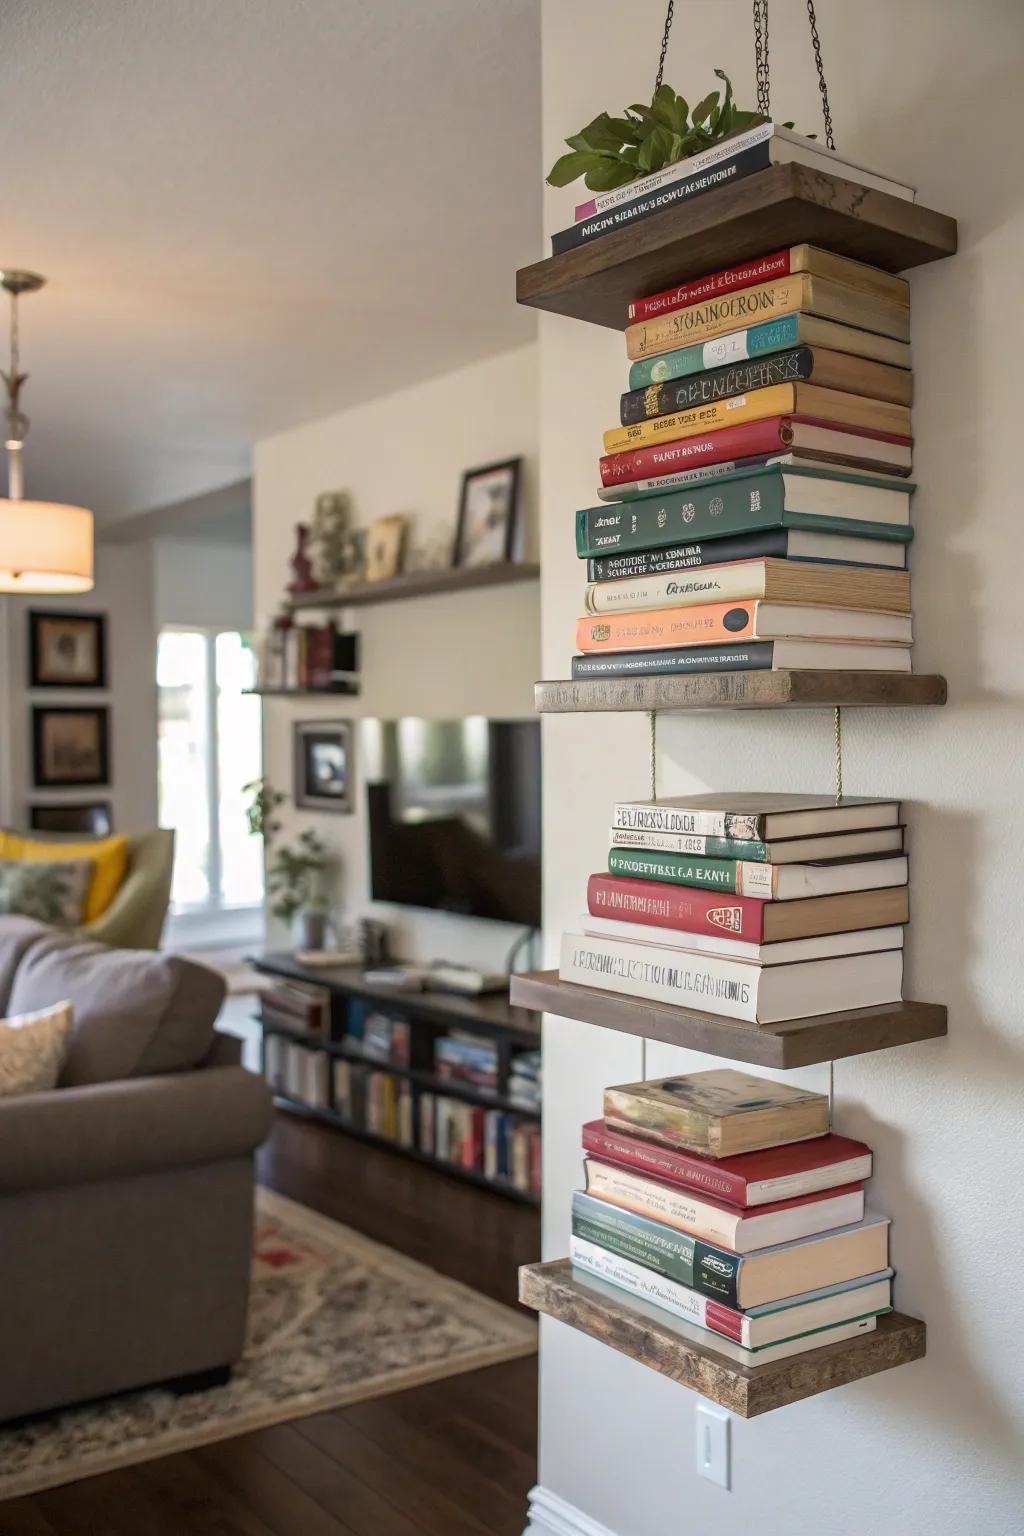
pixel 733 848
pixel 681 869
pixel 755 341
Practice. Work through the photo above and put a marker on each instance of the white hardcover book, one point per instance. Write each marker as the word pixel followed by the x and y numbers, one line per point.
pixel 736 989
pixel 838 655
pixel 863 941
pixel 763 816
pixel 737 580
pixel 634 489
pixel 793 850
pixel 835 442
pixel 845 549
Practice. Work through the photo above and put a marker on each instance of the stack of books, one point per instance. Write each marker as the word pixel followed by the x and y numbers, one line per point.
pixel 376 1102
pixel 755 505
pixel 313 658
pixel 296 1072
pixel 723 1202
pixel 491 1142
pixel 296 1006
pixel 762 907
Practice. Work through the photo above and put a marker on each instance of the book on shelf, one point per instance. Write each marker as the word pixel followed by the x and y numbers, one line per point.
pixel 730 160
pixel 817 365
pixel 720 315
pixel 753 877
pixel 790 440
pixel 771 497
pixel 835 406
pixel 702 624
pixel 765 269
pixel 717 1112
pixel 762 815
pixel 773 580
pixel 733 989
pixel 746 1179
pixel 823 946
pixel 716 1221
pixel 296 1005
pixel 796 329
pixel 793 545
pixel 812 1322
pixel 758 655
pixel 782 850
pixel 651 903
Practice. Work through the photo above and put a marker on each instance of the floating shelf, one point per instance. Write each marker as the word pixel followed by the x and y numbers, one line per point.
pixel 558 1292
pixel 739 690
pixel 797 1043
pixel 784 205
pixel 418 584
pixel 303 693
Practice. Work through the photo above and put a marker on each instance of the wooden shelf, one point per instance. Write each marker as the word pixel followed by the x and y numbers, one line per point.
pixel 418 584
pixel 784 205
pixel 797 1043
pixel 739 690
pixel 303 693
pixel 635 1329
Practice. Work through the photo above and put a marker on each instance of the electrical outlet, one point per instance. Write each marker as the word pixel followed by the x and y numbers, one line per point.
pixel 713 1444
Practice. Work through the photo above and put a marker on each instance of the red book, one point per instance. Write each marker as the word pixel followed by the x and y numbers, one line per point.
pixel 749 1179
pixel 741 442
pixel 653 904
pixel 763 270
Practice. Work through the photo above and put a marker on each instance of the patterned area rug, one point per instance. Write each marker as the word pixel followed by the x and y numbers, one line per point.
pixel 334 1319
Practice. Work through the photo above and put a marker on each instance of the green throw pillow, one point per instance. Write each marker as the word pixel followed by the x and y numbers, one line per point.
pixel 51 893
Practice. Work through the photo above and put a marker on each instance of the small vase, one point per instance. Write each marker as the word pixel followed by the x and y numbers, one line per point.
pixel 309 930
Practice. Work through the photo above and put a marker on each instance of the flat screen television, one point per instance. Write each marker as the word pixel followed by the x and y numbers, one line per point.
pixel 454 815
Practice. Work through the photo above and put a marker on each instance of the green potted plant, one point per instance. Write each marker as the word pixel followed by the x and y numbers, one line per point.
pixel 259 813
pixel 297 886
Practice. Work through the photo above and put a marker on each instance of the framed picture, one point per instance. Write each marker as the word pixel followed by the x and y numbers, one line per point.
pixel 383 549
pixel 70 746
pixel 323 765
pixel 94 817
pixel 67 650
pixel 488 507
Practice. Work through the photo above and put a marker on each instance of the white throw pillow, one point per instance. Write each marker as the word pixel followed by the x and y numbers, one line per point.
pixel 32 1050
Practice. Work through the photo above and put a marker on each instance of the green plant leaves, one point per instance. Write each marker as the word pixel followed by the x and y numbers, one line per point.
pixel 571 167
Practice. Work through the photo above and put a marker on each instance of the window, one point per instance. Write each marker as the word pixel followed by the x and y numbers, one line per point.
pixel 209 749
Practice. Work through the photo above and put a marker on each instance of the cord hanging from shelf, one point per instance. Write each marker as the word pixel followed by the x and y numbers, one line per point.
pixel 839 755
pixel 653 718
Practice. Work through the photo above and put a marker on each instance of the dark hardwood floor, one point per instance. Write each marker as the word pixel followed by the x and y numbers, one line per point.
pixel 452 1459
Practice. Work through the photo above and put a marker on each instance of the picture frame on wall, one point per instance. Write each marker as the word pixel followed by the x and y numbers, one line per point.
pixel 70 746
pixel 323 765
pixel 92 817
pixel 67 650
pixel 488 512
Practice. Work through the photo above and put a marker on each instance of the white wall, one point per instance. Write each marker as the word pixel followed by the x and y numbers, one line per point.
pixel 440 657
pixel 196 582
pixel 124 592
pixel 928 90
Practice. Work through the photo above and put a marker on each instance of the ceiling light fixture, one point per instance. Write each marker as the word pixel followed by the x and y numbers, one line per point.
pixel 45 546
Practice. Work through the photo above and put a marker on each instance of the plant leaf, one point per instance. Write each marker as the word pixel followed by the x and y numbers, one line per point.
pixel 568 168
pixel 601 134
pixel 702 111
pixel 629 131
pixel 655 150
pixel 609 174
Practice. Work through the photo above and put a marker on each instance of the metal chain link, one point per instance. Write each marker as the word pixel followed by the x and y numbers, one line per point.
pixel 654 754
pixel 669 14
pixel 764 89
pixel 839 754
pixel 822 87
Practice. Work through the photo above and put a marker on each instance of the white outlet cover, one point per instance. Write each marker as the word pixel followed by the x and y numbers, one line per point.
pixel 714 1444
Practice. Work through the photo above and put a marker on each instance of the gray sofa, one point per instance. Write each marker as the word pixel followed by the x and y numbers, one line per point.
pixel 126 1193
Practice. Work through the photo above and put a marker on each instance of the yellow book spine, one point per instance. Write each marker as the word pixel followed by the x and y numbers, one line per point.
pixel 776 400
pixel 717 316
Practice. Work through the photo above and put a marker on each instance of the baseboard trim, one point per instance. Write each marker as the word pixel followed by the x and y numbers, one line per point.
pixel 552 1516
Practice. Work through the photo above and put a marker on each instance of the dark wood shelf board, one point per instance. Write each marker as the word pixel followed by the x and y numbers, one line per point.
pixel 783 205
pixel 797 1043
pixel 740 690
pixel 636 1330
pixel 303 693
pixel 419 584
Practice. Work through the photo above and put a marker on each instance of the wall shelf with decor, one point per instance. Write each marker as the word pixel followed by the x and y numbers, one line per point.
pixel 418 584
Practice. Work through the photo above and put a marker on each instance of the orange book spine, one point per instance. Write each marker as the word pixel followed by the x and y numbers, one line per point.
pixel 664 627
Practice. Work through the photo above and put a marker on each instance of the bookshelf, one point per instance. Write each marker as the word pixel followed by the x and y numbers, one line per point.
pixel 740 690
pixel 646 1334
pixel 429 1016
pixel 302 693
pixel 418 584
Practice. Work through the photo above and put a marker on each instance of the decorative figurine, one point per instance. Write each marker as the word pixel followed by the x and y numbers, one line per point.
pixel 300 564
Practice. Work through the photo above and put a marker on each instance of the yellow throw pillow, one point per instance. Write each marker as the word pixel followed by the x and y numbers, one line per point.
pixel 109 856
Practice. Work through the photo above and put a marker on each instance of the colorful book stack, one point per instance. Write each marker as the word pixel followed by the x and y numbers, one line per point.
pixel 499 1145
pixel 723 1201
pixel 763 907
pixel 755 505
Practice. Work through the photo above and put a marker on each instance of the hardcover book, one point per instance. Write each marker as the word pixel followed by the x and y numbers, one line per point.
pixel 794 440
pixel 752 877
pixel 774 580
pixel 782 850
pixel 660 628
pixel 790 544
pixel 762 816
pixel 823 946
pixel 717 1112
pixel 757 655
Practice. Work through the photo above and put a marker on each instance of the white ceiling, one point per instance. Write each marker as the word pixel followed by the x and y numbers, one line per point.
pixel 252 213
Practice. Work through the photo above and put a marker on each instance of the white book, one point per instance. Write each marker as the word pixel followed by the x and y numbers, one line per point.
pixel 765 816
pixel 809 621
pixel 862 941
pixel 746 580
pixel 788 850
pixel 837 655
pixel 735 989
pixel 712 1221
pixel 829 443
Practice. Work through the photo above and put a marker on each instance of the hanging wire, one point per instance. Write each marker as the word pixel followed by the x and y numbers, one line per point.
pixel 764 89
pixel 653 717
pixel 839 755
pixel 822 87
pixel 669 14
pixel 831 1092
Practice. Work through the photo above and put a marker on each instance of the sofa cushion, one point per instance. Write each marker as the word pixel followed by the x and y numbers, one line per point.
pixel 109 855
pixel 32 1048
pixel 137 1013
pixel 51 893
pixel 16 934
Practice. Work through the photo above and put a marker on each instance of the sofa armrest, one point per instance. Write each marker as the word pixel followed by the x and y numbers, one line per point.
pixel 134 1126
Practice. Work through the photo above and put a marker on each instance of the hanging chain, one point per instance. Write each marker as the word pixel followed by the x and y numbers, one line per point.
pixel 653 716
pixel 822 87
pixel 831 1093
pixel 669 14
pixel 839 754
pixel 764 89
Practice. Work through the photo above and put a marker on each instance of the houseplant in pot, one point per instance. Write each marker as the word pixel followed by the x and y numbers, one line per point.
pixel 298 878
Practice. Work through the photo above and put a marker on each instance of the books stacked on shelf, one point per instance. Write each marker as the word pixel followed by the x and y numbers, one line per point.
pixel 725 1202
pixel 377 1036
pixel 731 159
pixel 762 907
pixel 313 658
pixel 524 1085
pixel 465 1058
pixel 372 1101
pixel 299 1072
pixel 490 1142
pixel 298 1006
pixel 754 503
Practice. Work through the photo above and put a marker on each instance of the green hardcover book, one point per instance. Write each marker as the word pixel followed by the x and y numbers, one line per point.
pixel 755 341
pixel 653 1244
pixel 734 848
pixel 775 496
pixel 679 869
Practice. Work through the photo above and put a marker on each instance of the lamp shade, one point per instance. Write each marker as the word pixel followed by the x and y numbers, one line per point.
pixel 45 547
